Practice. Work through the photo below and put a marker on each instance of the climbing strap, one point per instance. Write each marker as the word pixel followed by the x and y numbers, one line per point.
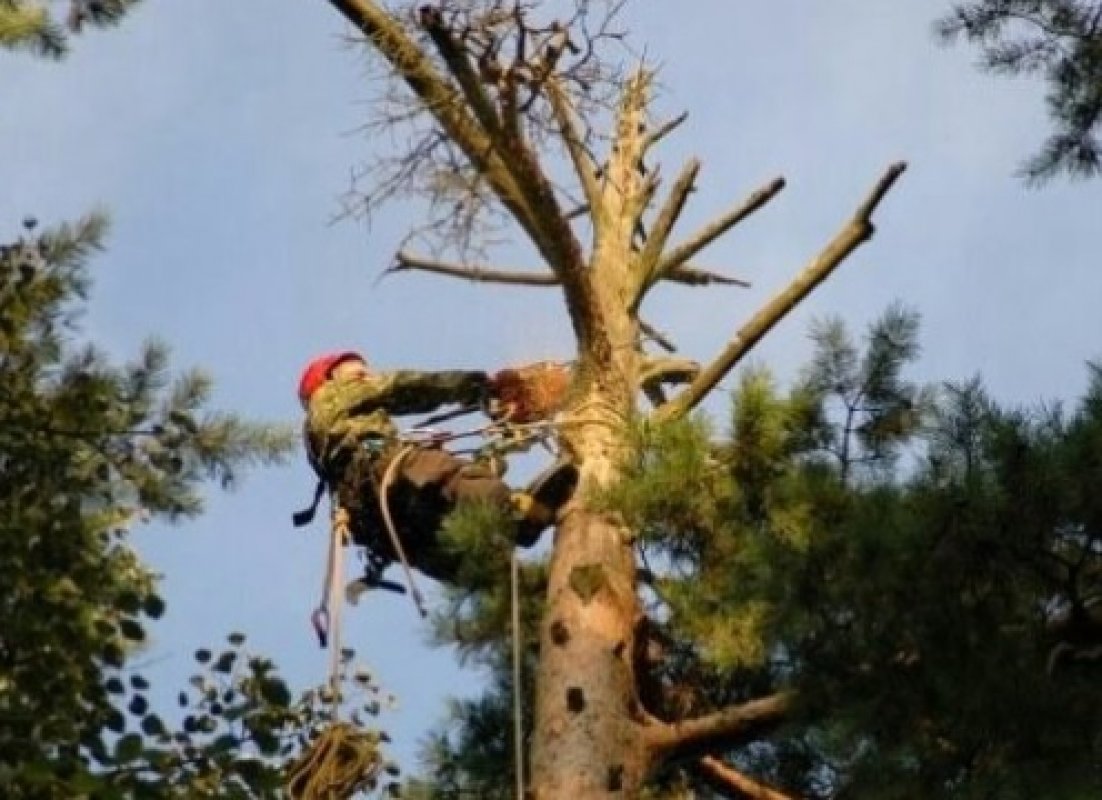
pixel 327 616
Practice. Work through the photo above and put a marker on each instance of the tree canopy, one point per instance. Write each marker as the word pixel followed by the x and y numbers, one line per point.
pixel 913 569
pixel 30 25
pixel 1060 40
pixel 88 451
pixel 858 585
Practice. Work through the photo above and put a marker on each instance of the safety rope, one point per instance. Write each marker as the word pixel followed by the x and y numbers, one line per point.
pixel 518 712
pixel 327 616
pixel 395 541
pixel 340 762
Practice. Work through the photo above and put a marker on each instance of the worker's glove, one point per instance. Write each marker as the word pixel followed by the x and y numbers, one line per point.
pixel 529 393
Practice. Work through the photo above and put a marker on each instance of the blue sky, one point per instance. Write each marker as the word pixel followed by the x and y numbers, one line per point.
pixel 221 133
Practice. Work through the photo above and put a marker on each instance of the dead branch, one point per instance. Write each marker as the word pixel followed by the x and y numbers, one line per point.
pixel 512 171
pixel 648 259
pixel 724 775
pixel 668 370
pixel 858 230
pixel 407 262
pixel 709 233
pixel 664 130
pixel 627 186
pixel 456 59
pixel 386 34
pixel 583 162
pixel 657 336
pixel 694 276
pixel 731 725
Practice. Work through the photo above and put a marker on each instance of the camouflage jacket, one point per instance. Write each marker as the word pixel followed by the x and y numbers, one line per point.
pixel 347 415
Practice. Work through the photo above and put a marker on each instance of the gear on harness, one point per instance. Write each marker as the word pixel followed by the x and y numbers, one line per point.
pixel 398 488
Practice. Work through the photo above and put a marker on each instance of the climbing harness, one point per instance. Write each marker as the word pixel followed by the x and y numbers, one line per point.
pixel 326 617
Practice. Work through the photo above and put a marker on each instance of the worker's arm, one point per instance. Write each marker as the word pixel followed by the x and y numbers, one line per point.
pixel 407 392
pixel 421 392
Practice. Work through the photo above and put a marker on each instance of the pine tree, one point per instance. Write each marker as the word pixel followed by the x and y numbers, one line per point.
pixel 30 25
pixel 1060 40
pixel 929 603
pixel 490 94
pixel 88 450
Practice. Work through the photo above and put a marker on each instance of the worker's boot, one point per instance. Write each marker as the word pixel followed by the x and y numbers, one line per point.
pixel 538 505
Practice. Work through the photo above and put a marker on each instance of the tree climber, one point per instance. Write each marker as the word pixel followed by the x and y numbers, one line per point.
pixel 352 443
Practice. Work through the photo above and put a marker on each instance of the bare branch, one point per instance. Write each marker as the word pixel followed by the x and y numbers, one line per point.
pixel 718 772
pixel 575 146
pixel 694 276
pixel 657 336
pixel 386 34
pixel 648 259
pixel 731 725
pixel 459 64
pixel 664 130
pixel 514 174
pixel 407 262
pixel 709 233
pixel 858 230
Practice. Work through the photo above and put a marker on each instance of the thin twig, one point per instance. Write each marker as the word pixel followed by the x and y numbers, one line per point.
pixel 664 130
pixel 709 233
pixel 584 165
pixel 406 262
pixel 657 336
pixel 694 276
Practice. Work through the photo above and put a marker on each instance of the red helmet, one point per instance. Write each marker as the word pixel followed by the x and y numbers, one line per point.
pixel 319 371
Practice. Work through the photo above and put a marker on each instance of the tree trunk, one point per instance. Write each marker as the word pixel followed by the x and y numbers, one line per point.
pixel 589 736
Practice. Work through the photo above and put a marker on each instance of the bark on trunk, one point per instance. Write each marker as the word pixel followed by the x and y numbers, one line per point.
pixel 589 742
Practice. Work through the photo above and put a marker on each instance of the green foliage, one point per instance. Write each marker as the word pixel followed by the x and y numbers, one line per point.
pixel 1060 40
pixel 30 25
pixel 938 613
pixel 87 449
pixel 866 410
pixel 922 566
pixel 471 756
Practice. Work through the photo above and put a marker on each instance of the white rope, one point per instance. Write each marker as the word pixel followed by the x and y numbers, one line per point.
pixel 395 540
pixel 518 717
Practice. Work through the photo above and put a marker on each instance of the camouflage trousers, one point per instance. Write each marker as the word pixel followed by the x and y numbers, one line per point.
pixel 424 488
